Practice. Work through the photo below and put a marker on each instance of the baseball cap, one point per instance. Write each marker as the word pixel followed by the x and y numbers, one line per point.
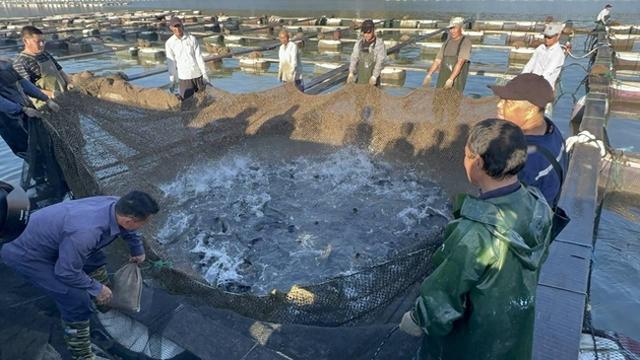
pixel 530 87
pixel 456 21
pixel 552 29
pixel 175 21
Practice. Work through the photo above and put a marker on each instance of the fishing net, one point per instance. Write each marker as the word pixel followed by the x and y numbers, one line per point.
pixel 113 137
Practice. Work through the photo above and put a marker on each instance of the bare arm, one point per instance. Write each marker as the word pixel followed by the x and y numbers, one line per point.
pixel 457 68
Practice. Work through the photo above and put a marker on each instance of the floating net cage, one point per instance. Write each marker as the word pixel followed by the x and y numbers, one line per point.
pixel 113 137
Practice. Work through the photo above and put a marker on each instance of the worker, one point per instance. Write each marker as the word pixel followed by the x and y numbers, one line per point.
pixel 367 58
pixel 38 66
pixel 604 17
pixel 60 252
pixel 290 66
pixel 548 58
pixel 185 62
pixel 478 303
pixel 16 109
pixel 522 102
pixel 452 60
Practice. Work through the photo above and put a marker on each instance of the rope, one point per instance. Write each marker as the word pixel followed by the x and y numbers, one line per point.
pixel 384 340
pixel 585 55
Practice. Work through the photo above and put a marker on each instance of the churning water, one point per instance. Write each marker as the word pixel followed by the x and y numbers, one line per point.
pixel 254 225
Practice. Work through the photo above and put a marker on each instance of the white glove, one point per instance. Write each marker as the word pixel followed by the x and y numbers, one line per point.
pixel 53 106
pixel 172 79
pixel 70 86
pixel 351 78
pixel 586 138
pixel 427 81
pixel 409 326
pixel 31 112
pixel 448 84
pixel 373 80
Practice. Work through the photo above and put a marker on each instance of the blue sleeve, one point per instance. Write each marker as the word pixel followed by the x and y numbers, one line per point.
pixel 32 90
pixel 72 254
pixel 8 106
pixel 135 242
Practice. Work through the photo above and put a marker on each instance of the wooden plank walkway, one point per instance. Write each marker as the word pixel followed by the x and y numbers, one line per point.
pixel 563 285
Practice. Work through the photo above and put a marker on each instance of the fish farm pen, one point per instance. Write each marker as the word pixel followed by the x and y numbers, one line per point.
pixel 299 225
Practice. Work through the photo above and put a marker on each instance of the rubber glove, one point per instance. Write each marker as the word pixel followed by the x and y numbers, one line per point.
pixel 351 78
pixel 373 80
pixel 53 106
pixel 448 84
pixel 427 81
pixel 409 326
pixel 31 112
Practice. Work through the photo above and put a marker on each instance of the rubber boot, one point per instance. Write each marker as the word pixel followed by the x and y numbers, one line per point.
pixel 102 276
pixel 78 339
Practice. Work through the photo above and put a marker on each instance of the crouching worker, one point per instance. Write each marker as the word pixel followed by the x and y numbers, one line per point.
pixel 60 251
pixel 478 303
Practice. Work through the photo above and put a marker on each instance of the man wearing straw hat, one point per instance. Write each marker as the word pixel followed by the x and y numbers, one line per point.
pixel 452 59
pixel 185 62
pixel 548 58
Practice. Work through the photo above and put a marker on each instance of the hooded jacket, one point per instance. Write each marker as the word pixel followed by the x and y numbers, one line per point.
pixel 478 303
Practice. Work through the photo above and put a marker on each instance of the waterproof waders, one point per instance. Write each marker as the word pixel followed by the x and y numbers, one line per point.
pixel 51 80
pixel 366 63
pixel 448 64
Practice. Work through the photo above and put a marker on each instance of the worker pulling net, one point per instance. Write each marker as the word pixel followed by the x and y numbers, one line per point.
pixel 281 206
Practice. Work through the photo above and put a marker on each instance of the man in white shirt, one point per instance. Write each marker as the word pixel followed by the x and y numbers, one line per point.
pixel 548 58
pixel 290 69
pixel 184 60
pixel 604 15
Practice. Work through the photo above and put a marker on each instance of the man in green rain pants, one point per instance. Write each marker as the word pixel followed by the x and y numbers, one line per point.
pixel 452 59
pixel 367 58
pixel 478 303
pixel 35 64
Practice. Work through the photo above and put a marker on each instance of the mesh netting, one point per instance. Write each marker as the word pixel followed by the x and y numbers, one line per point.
pixel 113 137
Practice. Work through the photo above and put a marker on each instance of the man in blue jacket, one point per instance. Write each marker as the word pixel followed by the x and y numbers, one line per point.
pixel 60 251
pixel 522 102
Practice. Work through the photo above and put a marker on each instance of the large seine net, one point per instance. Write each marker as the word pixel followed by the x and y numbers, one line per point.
pixel 221 163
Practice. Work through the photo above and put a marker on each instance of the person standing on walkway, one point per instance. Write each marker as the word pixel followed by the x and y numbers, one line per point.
pixel 290 66
pixel 453 59
pixel 367 58
pixel 522 102
pixel 60 251
pixel 604 16
pixel 548 58
pixel 185 62
pixel 479 301
pixel 38 66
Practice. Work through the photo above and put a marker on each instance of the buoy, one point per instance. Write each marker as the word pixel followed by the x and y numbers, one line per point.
pixel 152 54
pixel 427 24
pixel 90 32
pixel 408 24
pixel 393 76
pixel 254 65
pixel 327 45
pixel 334 22
pixel 521 54
pixel 236 39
